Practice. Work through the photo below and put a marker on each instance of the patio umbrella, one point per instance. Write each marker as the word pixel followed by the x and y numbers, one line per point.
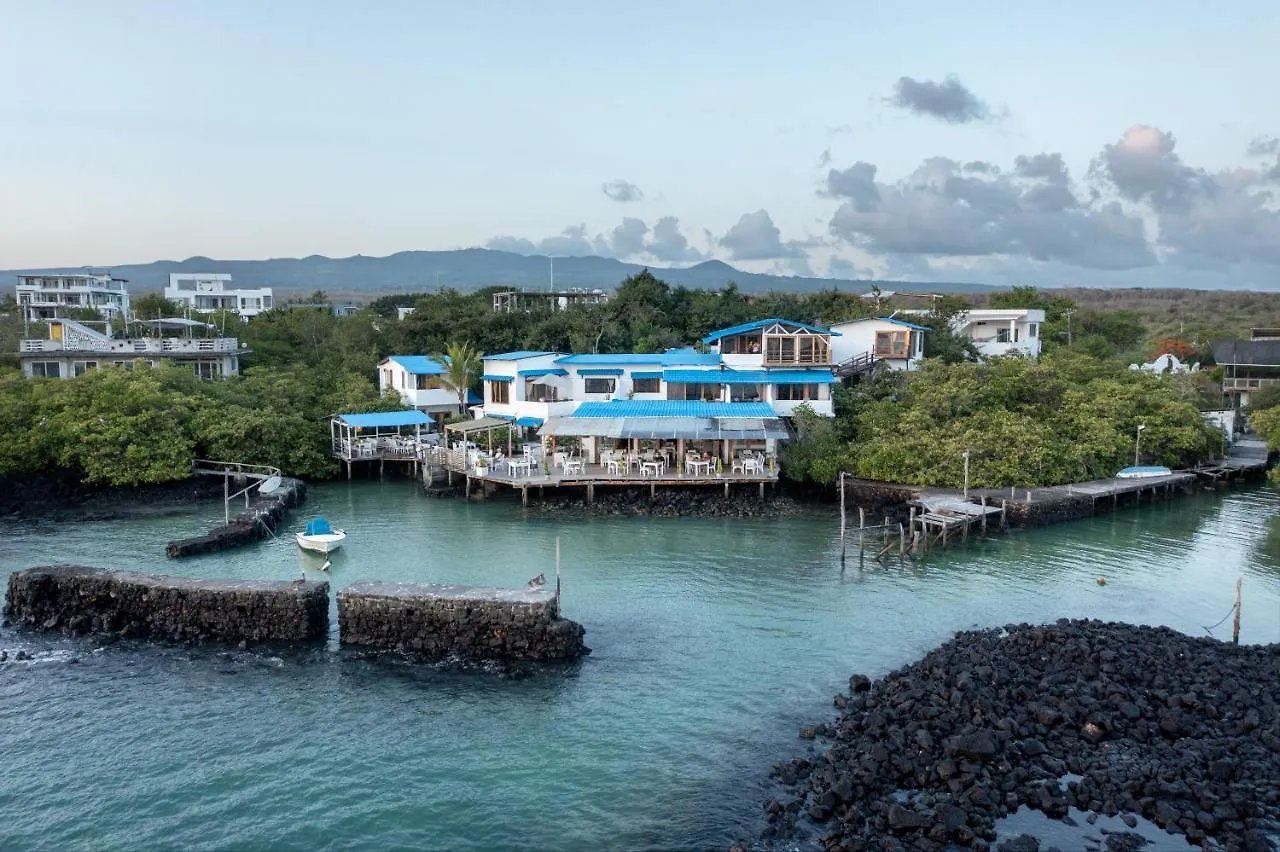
pixel 557 383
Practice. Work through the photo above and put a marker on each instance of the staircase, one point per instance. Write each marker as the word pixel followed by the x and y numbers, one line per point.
pixel 855 366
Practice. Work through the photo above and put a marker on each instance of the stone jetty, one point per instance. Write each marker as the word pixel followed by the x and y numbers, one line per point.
pixel 261 519
pixel 1111 719
pixel 471 622
pixel 77 600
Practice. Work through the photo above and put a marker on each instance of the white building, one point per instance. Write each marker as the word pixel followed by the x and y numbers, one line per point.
pixel 863 343
pixel 417 378
pixel 43 297
pixel 205 292
pixel 772 366
pixel 73 349
pixel 1007 331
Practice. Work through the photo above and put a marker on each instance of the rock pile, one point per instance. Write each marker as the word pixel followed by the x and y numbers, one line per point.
pixel 1109 718
pixel 469 622
pixel 263 517
pixel 77 601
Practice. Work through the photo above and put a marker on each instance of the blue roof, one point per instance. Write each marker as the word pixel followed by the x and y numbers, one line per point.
pixel 647 374
pixel 716 377
pixel 897 321
pixel 611 359
pixel 554 371
pixel 496 377
pixel 673 408
pixel 516 356
pixel 529 421
pixel 418 365
pixel 602 371
pixel 412 417
pixel 759 324
pixel 690 358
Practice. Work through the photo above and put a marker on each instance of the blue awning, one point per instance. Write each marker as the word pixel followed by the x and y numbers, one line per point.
pixel 599 372
pixel 646 374
pixel 413 417
pixel 507 417
pixel 530 374
pixel 802 377
pixel 534 422
pixel 496 377
pixel 716 377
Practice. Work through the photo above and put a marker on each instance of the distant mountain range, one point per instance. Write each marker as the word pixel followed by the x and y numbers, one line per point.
pixel 471 269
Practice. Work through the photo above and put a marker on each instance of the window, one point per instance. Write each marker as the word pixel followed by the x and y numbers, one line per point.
pixel 600 385
pixel 208 369
pixel 536 392
pixel 499 392
pixel 1002 335
pixel 79 368
pixel 744 393
pixel 891 344
pixel 128 365
pixel 1033 330
pixel 431 382
pixel 46 369
pixel 795 393
pixel 646 385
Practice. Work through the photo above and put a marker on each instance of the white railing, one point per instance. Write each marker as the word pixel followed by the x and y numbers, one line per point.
pixel 172 345
pixel 1239 384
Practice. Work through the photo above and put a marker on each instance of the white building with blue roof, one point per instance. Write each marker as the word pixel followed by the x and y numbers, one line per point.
pixel 418 380
pixel 864 343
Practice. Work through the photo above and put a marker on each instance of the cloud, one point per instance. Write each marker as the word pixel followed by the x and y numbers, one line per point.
pixel 631 238
pixel 621 190
pixel 824 159
pixel 755 237
pixel 945 209
pixel 1264 146
pixel 845 269
pixel 950 101
pixel 669 245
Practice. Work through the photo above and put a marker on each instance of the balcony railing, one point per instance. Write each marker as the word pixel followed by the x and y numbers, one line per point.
pixel 1238 384
pixel 170 345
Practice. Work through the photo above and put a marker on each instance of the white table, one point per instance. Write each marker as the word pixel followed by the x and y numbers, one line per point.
pixel 523 466
pixel 695 466
pixel 572 466
pixel 654 467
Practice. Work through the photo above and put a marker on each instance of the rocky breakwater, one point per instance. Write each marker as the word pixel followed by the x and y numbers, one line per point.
pixel 261 519
pixel 471 622
pixel 1130 722
pixel 744 502
pixel 79 601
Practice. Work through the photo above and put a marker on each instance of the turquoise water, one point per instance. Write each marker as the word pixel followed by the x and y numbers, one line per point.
pixel 714 640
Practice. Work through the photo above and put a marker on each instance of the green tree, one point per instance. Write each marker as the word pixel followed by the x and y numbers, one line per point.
pixel 462 364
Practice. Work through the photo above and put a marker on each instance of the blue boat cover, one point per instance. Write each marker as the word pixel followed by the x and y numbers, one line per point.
pixel 318 526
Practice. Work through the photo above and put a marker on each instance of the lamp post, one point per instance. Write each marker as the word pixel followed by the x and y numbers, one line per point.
pixel 1137 442
pixel 966 474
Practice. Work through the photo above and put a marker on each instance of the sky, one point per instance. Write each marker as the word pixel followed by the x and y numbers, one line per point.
pixel 1089 143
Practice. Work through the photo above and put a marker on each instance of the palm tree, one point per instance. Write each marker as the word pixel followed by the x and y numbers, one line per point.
pixel 462 363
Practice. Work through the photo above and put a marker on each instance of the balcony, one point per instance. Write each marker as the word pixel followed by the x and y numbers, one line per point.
pixel 166 345
pixel 1238 384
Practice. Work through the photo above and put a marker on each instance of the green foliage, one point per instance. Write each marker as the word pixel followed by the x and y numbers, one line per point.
pixel 462 365
pixel 151 306
pixel 1023 423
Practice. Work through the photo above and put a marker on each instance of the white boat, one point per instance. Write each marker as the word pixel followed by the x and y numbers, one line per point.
pixel 1143 472
pixel 320 537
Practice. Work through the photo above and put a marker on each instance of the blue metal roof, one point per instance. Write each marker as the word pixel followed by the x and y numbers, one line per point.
pixel 901 322
pixel 801 377
pixel 647 374
pixel 673 408
pixel 516 356
pixel 496 377
pixel 600 372
pixel 412 417
pixel 529 421
pixel 690 358
pixel 553 371
pixel 716 377
pixel 759 324
pixel 418 365
pixel 611 359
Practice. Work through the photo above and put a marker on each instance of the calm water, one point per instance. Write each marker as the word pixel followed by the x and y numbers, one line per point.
pixel 713 641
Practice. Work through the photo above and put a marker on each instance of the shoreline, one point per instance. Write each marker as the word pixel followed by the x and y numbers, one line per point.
pixel 1088 718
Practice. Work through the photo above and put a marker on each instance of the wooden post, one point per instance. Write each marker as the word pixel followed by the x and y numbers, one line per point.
pixel 1004 520
pixel 591 493
pixel 862 522
pixel 226 494
pixel 884 535
pixel 466 491
pixel 1235 624
pixel 348 469
pixel 902 539
pixel 842 518
pixel 984 514
pixel 557 571
pixel 762 491
pixel 524 495
pixel 726 489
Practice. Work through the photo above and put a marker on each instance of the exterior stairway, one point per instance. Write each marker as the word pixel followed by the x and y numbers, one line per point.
pixel 855 366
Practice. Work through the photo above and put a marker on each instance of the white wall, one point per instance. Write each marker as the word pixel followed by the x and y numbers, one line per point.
pixel 858 337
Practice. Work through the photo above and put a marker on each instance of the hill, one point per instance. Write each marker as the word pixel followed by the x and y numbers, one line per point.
pixel 471 269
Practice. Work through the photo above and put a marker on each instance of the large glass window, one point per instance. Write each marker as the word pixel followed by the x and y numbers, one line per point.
pixel 534 392
pixel 891 344
pixel 646 385
pixel 79 368
pixel 795 393
pixel 499 392
pixel 600 385
pixel 46 369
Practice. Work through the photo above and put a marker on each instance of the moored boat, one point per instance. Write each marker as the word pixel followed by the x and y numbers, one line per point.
pixel 320 536
pixel 1143 472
